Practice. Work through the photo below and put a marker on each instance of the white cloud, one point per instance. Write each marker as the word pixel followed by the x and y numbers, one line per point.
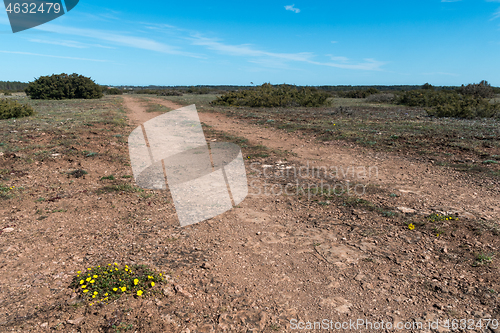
pixel 247 50
pixel 69 43
pixel 117 38
pixel 51 56
pixel 293 9
pixel 341 59
pixel 496 15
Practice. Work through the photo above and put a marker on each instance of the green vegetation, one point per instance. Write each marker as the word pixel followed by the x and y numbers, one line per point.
pixel 471 101
pixel 63 86
pixel 363 93
pixel 268 95
pixel 103 284
pixel 113 91
pixel 13 109
pixel 12 86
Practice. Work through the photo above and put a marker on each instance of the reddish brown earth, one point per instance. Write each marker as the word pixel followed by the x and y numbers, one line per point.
pixel 272 262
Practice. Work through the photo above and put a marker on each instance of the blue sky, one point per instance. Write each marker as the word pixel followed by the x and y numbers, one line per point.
pixel 296 42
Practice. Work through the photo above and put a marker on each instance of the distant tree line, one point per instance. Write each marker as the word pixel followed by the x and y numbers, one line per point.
pixel 12 86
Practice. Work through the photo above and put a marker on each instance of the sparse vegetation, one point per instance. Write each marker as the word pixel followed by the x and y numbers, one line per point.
pixel 14 109
pixel 268 95
pixel 103 284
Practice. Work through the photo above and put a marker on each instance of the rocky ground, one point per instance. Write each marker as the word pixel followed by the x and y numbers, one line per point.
pixel 304 261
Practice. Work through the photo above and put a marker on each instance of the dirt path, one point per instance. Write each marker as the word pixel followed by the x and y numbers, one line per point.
pixel 274 262
pixel 426 186
pixel 138 114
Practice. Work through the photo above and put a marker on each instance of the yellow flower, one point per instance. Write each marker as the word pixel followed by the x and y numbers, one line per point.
pixel 116 269
pixel 92 281
pixel 86 291
pixel 115 289
pixel 116 264
pixel 78 272
pixel 139 292
pixel 84 286
pixel 123 288
pixel 95 276
pixel 91 304
pixel 95 293
pixel 88 279
pixel 89 268
pixel 93 296
pixel 411 226
pixel 150 277
pixel 109 264
pixel 106 299
pixel 152 284
pixel 82 281
pixel 126 269
pixel 136 281
pixel 126 266
pixel 106 294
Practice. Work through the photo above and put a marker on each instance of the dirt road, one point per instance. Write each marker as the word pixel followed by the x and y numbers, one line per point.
pixel 284 261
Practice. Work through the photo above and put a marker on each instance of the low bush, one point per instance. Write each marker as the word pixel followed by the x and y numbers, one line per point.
pixel 268 95
pixel 450 103
pixel 426 98
pixel 113 91
pixel 479 90
pixel 13 109
pixel 63 86
pixel 466 107
pixel 380 98
pixel 170 92
pixel 357 93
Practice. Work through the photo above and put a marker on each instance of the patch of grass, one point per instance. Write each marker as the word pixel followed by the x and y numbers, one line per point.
pixel 5 191
pixel 127 176
pixel 120 188
pixel 155 107
pixel 89 153
pixel 102 284
pixel 110 177
pixel 483 259
pixel 438 217
pixel 78 173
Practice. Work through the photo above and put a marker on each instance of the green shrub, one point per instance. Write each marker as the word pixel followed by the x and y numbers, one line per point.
pixel 63 86
pixel 268 95
pixel 14 109
pixel 466 107
pixel 380 98
pixel 7 93
pixel 426 98
pixel 357 93
pixel 199 90
pixel 170 92
pixel 113 91
pixel 480 90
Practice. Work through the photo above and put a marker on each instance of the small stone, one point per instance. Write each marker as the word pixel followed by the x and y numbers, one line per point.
pixel 76 321
pixel 407 210
pixel 8 230
pixel 44 325
pixel 206 265
pixel 181 291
